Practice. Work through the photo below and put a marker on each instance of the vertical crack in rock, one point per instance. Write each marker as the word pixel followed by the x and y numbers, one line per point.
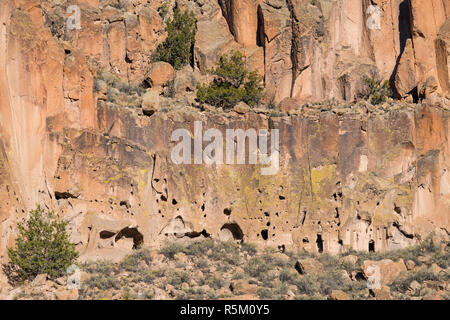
pixel 294 45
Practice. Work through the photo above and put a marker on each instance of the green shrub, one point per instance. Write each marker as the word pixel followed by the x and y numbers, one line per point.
pixel 200 248
pixel 307 285
pixel 328 260
pixel 332 280
pixel 264 293
pixel 131 262
pixel 249 248
pixel 100 266
pixel 163 10
pixel 171 249
pixel 196 294
pixel 288 276
pixel 280 290
pixel 42 246
pixel 377 91
pixel 402 284
pixel 202 263
pixel 176 277
pixel 233 83
pixel 259 266
pixel 102 282
pixel 178 47
pixel 148 276
pixel 215 282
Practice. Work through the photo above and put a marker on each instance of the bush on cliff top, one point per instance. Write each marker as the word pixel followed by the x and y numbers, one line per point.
pixel 377 91
pixel 178 47
pixel 233 83
pixel 42 247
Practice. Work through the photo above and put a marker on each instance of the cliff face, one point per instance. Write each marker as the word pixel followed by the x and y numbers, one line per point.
pixel 350 176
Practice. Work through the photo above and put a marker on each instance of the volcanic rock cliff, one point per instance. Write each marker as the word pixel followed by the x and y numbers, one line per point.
pixel 352 175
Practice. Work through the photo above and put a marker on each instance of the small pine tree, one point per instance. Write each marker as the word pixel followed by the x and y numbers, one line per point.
pixel 178 47
pixel 233 83
pixel 42 246
pixel 378 92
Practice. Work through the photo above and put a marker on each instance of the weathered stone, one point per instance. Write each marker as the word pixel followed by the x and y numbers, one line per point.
pixel 410 265
pixel 405 78
pixel 64 294
pixel 39 280
pixel 160 74
pixel 339 295
pixel 150 102
pixel 309 266
pixel 243 287
pixel 414 286
pixel 383 293
pixel 185 81
pixel 241 108
pixel 434 268
pixel 289 105
pixel 388 270
pixel 65 147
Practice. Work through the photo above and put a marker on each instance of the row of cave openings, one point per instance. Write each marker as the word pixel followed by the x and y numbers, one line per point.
pixel 233 228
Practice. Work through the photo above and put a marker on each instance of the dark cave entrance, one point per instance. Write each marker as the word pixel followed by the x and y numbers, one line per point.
pixel 371 246
pixel 319 242
pixel 133 233
pixel 235 230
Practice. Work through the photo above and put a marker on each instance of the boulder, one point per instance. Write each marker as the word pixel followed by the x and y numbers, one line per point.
pixel 414 286
pixel 64 294
pixel 243 287
pixel 150 102
pixel 339 295
pixel 387 270
pixel 309 266
pixel 410 265
pixel 241 108
pixel 39 280
pixel 160 74
pixel 281 257
pixel 434 268
pixel 185 81
pixel 383 293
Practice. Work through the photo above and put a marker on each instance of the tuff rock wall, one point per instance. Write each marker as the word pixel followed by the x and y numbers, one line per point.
pixel 351 175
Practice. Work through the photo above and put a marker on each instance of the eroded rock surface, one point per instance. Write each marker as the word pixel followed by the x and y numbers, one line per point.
pixel 351 176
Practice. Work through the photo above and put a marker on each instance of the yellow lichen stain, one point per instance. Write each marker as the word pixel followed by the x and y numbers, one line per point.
pixel 320 178
pixel 381 218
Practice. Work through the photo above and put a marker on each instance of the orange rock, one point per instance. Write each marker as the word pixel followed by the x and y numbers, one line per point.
pixel 160 74
pixel 388 270
pixel 243 287
pixel 339 295
pixel 309 266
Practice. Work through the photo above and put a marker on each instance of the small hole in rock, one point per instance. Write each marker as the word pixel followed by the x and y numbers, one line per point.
pixel 265 234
